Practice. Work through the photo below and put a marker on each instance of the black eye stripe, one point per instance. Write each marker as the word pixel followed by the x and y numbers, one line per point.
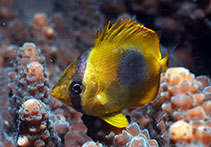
pixel 81 67
pixel 75 87
pixel 75 94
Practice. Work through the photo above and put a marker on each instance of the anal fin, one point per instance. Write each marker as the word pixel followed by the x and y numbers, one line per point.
pixel 117 120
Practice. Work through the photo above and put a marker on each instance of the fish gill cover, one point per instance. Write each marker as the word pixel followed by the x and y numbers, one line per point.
pixel 35 49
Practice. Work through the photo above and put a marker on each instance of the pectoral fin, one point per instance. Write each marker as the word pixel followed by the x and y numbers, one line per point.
pixel 117 120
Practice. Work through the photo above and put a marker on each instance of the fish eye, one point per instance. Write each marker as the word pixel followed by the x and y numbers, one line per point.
pixel 75 88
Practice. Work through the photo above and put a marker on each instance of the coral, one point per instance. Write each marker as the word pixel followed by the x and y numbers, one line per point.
pixel 62 34
pixel 95 20
pixel 92 144
pixel 28 97
pixel 35 128
pixel 28 79
pixel 181 130
pixel 131 136
pixel 42 27
pixel 76 135
pixel 8 11
pixel 187 104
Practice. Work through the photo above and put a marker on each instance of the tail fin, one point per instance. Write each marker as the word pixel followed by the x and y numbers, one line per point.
pixel 171 47
pixel 164 63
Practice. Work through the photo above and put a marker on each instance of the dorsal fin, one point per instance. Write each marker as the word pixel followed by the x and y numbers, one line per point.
pixel 135 34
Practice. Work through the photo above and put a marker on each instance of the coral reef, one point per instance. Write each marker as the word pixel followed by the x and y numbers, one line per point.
pixel 31 121
pixel 187 102
pixel 28 84
pixel 180 115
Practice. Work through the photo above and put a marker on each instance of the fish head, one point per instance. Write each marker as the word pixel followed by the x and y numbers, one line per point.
pixel 61 90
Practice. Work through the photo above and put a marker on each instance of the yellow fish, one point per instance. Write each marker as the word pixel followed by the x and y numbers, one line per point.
pixel 121 71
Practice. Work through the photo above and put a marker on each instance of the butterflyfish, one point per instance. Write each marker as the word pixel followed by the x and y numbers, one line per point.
pixel 121 70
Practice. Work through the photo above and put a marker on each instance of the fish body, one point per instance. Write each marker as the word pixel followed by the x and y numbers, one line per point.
pixel 121 71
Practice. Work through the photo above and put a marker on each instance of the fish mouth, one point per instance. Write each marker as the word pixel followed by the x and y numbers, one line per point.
pixel 54 92
pixel 57 93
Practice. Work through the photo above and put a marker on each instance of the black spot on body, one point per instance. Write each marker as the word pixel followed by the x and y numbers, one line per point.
pixel 132 68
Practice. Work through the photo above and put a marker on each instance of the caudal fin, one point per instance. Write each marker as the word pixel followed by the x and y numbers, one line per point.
pixel 164 63
pixel 171 47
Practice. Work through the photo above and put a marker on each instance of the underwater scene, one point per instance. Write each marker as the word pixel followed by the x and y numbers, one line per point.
pixel 105 73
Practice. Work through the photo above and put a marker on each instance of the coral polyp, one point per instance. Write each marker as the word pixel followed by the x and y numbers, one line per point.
pixel 38 39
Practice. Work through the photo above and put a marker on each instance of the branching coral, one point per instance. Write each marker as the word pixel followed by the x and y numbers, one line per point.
pixel 34 123
pixel 28 98
pixel 188 103
pixel 35 128
pixel 132 136
pixel 28 79
pixel 41 25
pixel 183 101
